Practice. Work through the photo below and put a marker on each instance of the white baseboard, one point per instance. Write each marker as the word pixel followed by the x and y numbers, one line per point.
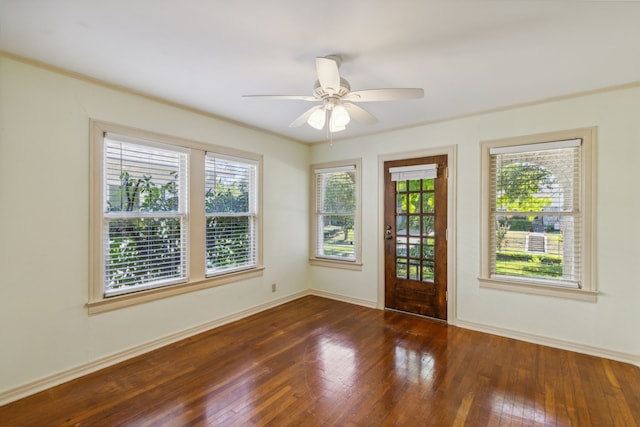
pixel 633 359
pixel 343 298
pixel 53 380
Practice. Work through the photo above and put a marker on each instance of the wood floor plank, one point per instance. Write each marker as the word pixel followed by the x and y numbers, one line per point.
pixel 318 362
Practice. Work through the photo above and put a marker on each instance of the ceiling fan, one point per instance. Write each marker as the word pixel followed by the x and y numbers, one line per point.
pixel 337 100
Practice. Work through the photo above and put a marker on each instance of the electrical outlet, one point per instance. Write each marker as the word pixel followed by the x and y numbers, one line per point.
pixel 273 287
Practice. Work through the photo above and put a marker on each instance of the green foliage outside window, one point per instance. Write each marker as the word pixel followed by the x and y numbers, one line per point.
pixel 340 197
pixel 143 250
pixel 339 202
pixel 521 187
pixel 228 237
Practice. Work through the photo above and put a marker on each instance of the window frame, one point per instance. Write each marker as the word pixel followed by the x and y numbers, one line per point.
pixel 197 278
pixel 587 290
pixel 314 259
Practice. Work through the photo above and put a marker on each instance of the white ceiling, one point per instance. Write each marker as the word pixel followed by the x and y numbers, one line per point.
pixel 468 55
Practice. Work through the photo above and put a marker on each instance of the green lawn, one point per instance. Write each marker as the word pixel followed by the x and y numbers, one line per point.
pixel 338 246
pixel 514 243
pixel 528 269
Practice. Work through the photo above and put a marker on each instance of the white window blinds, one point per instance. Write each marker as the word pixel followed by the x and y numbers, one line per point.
pixel 145 187
pixel 231 213
pixel 335 212
pixel 535 214
pixel 403 173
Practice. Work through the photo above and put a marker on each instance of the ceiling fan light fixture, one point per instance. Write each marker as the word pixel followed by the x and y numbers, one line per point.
pixel 317 119
pixel 333 128
pixel 340 116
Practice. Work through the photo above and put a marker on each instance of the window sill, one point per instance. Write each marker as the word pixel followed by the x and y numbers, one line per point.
pixel 126 300
pixel 345 265
pixel 537 289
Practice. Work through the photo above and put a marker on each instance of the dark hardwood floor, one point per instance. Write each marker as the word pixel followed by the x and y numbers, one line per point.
pixel 317 362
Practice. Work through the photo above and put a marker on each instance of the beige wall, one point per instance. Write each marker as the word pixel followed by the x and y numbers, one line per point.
pixel 611 324
pixel 44 190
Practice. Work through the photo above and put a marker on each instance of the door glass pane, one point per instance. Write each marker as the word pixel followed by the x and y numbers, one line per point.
pixel 428 203
pixel 428 184
pixel 401 203
pixel 401 226
pixel 401 268
pixel 414 266
pixel 428 248
pixel 414 225
pixel 428 269
pixel 414 203
pixel 428 225
pixel 401 248
pixel 414 251
pixel 401 185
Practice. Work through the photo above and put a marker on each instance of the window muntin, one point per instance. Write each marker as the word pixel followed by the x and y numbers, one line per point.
pixel 231 213
pixel 145 216
pixel 336 212
pixel 537 214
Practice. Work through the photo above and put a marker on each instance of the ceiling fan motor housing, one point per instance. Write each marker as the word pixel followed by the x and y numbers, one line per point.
pixel 320 93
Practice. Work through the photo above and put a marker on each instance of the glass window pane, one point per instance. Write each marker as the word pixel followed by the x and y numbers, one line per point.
pixel 141 178
pixel 143 251
pixel 428 184
pixel 414 185
pixel 401 226
pixel 428 225
pixel 536 181
pixel 336 192
pixel 414 225
pixel 428 203
pixel 414 272
pixel 401 203
pixel 401 185
pixel 337 236
pixel 428 248
pixel 414 251
pixel 228 185
pixel 428 271
pixel 229 242
pixel 414 203
pixel 401 268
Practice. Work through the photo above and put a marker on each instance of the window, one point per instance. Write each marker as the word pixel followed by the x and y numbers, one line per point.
pixel 230 207
pixel 145 215
pixel 335 235
pixel 168 216
pixel 537 214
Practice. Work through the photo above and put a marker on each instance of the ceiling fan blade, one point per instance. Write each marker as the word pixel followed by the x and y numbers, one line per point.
pixel 328 74
pixel 374 95
pixel 284 97
pixel 302 119
pixel 360 114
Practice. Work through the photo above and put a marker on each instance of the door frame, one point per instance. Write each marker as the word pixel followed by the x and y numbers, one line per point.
pixel 450 151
